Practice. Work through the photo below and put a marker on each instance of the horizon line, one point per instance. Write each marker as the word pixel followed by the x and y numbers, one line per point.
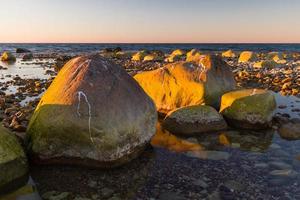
pixel 149 42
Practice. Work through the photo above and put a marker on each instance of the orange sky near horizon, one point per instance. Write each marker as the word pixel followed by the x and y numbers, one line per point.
pixel 141 21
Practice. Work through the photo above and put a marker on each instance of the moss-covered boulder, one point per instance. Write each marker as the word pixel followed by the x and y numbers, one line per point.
pixel 247 56
pixel 13 162
pixel 185 84
pixel 194 120
pixel 8 56
pixel 92 114
pixel 194 56
pixel 228 54
pixel 249 108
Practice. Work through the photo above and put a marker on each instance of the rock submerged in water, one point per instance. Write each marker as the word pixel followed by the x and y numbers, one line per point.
pixel 290 131
pixel 8 56
pixel 22 50
pixel 93 114
pixel 183 84
pixel 191 120
pixel 13 162
pixel 249 108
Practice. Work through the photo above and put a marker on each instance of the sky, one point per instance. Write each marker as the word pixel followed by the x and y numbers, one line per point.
pixel 150 21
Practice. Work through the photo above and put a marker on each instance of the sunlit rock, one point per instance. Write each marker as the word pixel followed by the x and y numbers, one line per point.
pixel 152 57
pixel 184 84
pixel 93 114
pixel 139 56
pixel 290 131
pixel 13 162
pixel 176 55
pixel 276 57
pixel 7 56
pixel 249 109
pixel 193 56
pixel 194 120
pixel 247 56
pixel 228 54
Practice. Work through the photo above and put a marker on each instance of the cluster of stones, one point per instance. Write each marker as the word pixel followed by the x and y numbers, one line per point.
pixel 274 71
pixel 95 114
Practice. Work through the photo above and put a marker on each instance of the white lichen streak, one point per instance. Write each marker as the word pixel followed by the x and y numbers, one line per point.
pixel 81 93
pixel 253 92
pixel 87 62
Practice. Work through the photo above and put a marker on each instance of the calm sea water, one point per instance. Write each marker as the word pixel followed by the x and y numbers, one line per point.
pixel 90 48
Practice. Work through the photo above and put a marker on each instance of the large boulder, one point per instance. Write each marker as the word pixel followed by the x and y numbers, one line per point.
pixel 192 120
pixel 185 84
pixel 93 114
pixel 13 162
pixel 247 56
pixel 8 56
pixel 249 108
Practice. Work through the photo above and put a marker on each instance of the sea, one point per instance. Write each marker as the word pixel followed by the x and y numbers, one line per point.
pixel 77 48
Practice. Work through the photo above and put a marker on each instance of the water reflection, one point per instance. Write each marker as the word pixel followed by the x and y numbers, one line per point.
pixel 242 139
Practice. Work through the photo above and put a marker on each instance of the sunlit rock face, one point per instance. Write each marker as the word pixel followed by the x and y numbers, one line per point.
pixel 153 57
pixel 176 55
pixel 139 56
pixel 13 162
pixel 7 56
pixel 193 120
pixel 193 56
pixel 185 84
pixel 249 109
pixel 93 111
pixel 276 57
pixel 228 54
pixel 247 56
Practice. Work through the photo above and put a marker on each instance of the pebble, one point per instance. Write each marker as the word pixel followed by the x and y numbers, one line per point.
pixel 285 173
pixel 200 183
pixel 280 165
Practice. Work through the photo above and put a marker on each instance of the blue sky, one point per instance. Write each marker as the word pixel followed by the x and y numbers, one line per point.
pixel 150 21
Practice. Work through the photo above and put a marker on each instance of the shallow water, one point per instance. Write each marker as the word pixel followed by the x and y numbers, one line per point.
pixel 26 70
pixel 93 48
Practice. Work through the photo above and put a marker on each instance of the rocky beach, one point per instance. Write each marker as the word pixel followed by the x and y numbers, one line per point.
pixel 179 124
